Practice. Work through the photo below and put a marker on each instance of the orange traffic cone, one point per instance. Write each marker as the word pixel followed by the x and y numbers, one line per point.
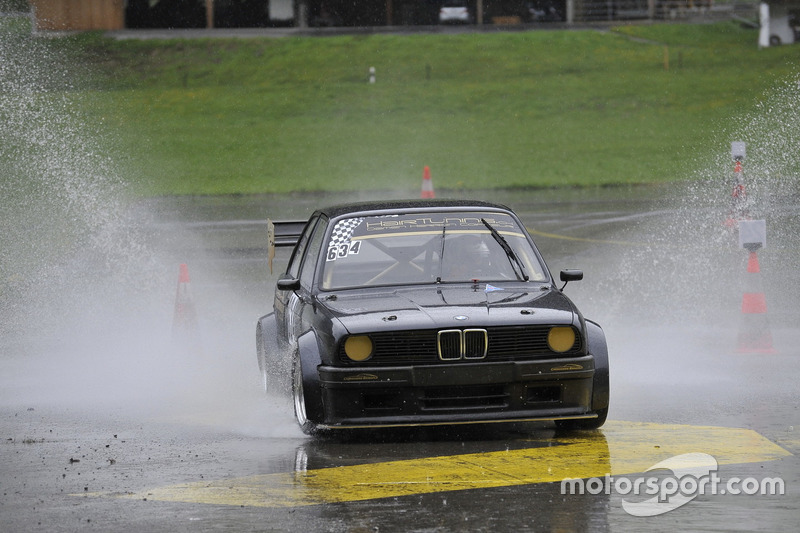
pixel 427 184
pixel 185 318
pixel 754 335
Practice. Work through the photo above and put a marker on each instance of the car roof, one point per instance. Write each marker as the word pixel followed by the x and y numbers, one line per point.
pixel 379 206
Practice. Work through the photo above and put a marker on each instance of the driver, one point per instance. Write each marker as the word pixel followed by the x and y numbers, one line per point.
pixel 466 258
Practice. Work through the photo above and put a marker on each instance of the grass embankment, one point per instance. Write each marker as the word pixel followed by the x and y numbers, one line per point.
pixel 533 109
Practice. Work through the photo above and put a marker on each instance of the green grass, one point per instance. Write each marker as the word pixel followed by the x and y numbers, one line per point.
pixel 533 109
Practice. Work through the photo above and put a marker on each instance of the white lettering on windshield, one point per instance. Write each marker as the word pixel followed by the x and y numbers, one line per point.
pixel 423 222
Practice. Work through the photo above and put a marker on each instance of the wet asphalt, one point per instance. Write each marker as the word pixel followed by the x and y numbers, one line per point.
pixel 113 428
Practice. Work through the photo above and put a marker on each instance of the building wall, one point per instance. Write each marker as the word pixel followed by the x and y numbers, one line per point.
pixel 79 14
pixel 119 14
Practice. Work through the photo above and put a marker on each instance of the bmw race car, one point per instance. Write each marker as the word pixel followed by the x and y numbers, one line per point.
pixel 427 312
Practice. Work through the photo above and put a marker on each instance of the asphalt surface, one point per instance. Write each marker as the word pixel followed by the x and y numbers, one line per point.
pixel 111 422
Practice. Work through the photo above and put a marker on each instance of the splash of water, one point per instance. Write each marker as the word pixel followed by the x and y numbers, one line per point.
pixel 86 279
pixel 76 269
pixel 61 199
pixel 687 267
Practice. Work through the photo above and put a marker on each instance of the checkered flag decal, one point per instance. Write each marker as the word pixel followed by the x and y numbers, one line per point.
pixel 343 231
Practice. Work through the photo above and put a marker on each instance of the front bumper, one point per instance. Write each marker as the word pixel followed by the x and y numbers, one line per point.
pixel 459 393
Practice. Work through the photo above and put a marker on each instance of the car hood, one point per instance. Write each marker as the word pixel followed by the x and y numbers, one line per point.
pixel 442 306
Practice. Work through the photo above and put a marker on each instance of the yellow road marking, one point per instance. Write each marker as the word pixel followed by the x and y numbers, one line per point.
pixel 582 239
pixel 559 236
pixel 620 448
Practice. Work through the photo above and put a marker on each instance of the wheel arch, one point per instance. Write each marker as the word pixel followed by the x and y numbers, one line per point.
pixel 309 358
pixel 598 348
pixel 266 334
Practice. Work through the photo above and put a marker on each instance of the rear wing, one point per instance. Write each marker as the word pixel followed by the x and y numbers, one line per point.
pixel 282 233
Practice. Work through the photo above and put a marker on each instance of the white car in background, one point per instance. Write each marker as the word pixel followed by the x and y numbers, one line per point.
pixel 454 12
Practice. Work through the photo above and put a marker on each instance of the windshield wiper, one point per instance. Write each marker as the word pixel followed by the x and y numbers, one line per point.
pixel 516 264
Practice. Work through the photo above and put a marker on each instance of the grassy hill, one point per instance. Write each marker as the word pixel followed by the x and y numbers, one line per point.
pixel 631 104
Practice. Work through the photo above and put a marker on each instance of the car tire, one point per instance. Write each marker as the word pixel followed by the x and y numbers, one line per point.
pixel 299 398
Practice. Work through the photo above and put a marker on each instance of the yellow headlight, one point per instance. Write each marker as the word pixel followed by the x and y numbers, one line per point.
pixel 358 348
pixel 561 338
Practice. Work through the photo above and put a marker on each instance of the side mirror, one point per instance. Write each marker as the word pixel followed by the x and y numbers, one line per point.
pixel 570 275
pixel 288 284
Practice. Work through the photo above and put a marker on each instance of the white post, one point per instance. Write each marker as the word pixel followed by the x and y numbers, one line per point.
pixel 763 33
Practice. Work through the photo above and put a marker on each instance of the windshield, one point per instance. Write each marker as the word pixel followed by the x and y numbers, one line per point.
pixel 421 248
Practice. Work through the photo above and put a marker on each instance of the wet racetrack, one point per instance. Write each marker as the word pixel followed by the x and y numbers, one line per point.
pixel 107 425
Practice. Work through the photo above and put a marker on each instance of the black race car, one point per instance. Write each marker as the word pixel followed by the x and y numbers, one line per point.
pixel 427 312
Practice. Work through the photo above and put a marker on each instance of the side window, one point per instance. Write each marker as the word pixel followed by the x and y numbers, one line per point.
pixel 311 255
pixel 293 270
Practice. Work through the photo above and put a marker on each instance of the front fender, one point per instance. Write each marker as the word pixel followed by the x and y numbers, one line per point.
pixel 599 349
pixel 310 359
pixel 274 362
pixel 266 339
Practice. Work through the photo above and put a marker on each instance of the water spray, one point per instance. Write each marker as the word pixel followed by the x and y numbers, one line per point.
pixel 755 335
pixel 739 204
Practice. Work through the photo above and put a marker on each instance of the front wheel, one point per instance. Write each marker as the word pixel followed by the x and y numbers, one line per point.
pixel 307 426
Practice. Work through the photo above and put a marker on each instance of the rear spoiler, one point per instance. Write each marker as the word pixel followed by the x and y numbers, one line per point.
pixel 283 233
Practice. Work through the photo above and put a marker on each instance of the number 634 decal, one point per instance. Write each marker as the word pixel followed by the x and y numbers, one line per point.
pixel 338 251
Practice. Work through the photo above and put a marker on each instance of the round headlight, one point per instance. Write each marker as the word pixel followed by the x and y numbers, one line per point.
pixel 358 348
pixel 561 338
